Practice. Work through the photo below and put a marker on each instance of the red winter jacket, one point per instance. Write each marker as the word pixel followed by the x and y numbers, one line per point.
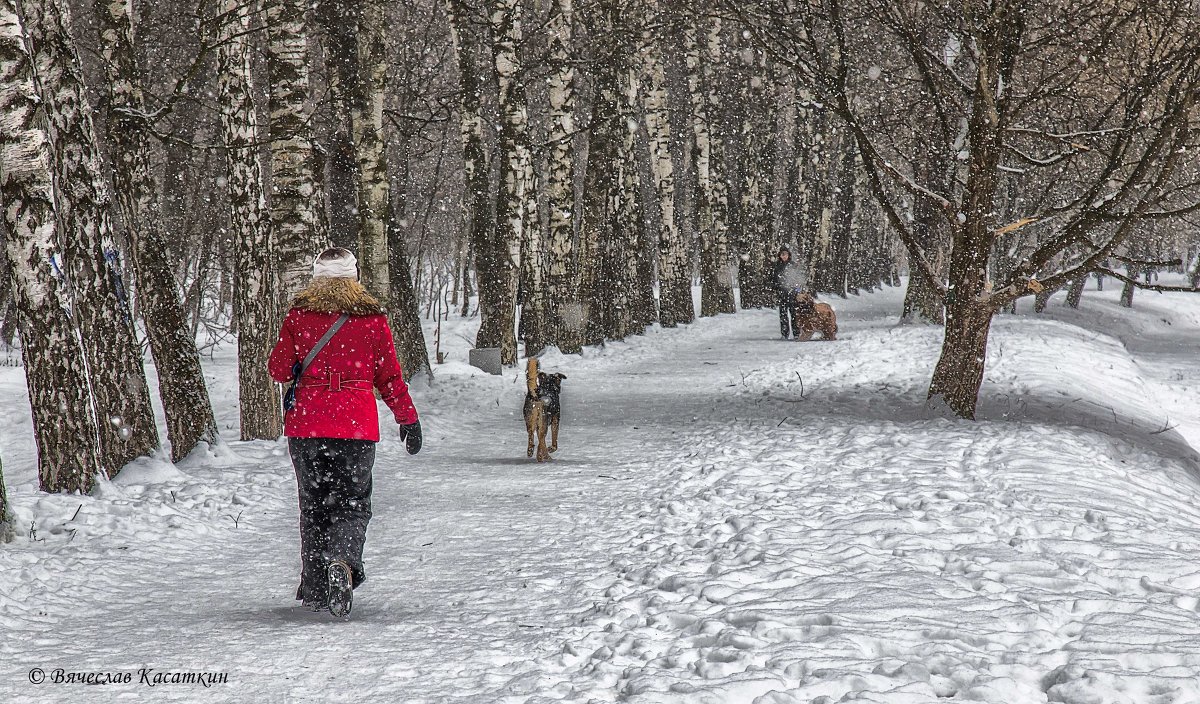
pixel 335 399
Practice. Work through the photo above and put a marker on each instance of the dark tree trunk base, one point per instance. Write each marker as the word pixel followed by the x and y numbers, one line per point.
pixel 959 371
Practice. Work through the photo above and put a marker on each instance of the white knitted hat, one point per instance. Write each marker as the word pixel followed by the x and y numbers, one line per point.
pixel 335 263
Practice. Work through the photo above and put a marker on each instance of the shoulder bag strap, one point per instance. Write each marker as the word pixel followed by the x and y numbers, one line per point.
pixel 289 398
pixel 312 354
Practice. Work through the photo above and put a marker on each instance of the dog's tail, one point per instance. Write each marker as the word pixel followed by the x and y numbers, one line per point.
pixel 531 376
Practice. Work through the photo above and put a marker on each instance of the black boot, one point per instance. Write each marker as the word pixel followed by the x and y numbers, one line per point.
pixel 341 589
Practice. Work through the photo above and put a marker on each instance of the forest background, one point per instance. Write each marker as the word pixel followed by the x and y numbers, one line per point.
pixel 566 172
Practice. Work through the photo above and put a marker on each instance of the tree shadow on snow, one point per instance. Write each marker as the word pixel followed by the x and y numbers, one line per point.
pixel 905 406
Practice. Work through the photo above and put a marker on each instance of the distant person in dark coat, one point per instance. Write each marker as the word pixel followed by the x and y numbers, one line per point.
pixel 333 428
pixel 786 277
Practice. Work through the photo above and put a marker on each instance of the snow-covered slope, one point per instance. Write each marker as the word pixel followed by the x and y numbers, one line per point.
pixel 730 518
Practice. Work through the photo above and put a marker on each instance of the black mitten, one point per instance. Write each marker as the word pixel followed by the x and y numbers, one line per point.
pixel 412 437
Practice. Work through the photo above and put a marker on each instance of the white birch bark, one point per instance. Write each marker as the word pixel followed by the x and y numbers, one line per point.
pixel 478 201
pixel 759 129
pixel 115 370
pixel 607 276
pixel 630 227
pixel 256 291
pixel 674 275
pixel 64 424
pixel 293 188
pixel 499 309
pixel 597 204
pixel 716 266
pixel 534 306
pixel 564 319
pixel 367 126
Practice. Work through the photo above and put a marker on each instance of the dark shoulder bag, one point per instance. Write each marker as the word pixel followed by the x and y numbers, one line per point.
pixel 298 369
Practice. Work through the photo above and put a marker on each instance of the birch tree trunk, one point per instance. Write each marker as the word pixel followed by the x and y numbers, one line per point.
pixel 114 362
pixel 468 45
pixel 758 171
pixel 181 386
pixel 293 188
pixel 674 270
pixel 563 306
pixel 64 423
pixel 339 20
pixel 368 89
pixel 832 258
pixel 635 311
pixel 716 268
pixel 612 222
pixel 256 292
pixel 497 257
pixel 534 325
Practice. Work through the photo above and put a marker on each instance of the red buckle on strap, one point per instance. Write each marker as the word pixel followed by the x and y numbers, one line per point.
pixel 335 381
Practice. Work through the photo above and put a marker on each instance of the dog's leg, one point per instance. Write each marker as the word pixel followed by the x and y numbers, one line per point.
pixel 533 418
pixel 529 426
pixel 554 434
pixel 542 454
pixel 539 428
pixel 804 336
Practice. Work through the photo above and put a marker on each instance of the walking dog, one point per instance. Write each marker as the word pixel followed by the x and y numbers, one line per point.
pixel 810 316
pixel 542 409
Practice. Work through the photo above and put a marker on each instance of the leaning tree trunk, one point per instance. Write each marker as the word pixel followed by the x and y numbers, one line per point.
pixel 497 253
pixel 406 320
pixel 293 188
pixel 674 268
pixel 1075 291
pixel 6 518
pixel 181 384
pixel 115 371
pixel 959 371
pixel 64 424
pixel 256 294
pixel 1133 272
pixel 716 273
pixel 923 301
pixel 563 314
pixel 411 347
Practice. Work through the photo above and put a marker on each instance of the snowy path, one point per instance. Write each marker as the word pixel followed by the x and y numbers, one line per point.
pixel 730 519
pixel 474 555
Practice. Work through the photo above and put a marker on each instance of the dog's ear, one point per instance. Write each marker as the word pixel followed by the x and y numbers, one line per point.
pixel 560 376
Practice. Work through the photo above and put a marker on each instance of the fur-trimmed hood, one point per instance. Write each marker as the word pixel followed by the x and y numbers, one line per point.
pixel 340 295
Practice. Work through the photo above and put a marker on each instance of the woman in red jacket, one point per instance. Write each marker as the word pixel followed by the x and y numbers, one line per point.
pixel 333 425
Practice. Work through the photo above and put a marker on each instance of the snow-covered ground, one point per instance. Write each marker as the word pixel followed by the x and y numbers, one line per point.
pixel 730 518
